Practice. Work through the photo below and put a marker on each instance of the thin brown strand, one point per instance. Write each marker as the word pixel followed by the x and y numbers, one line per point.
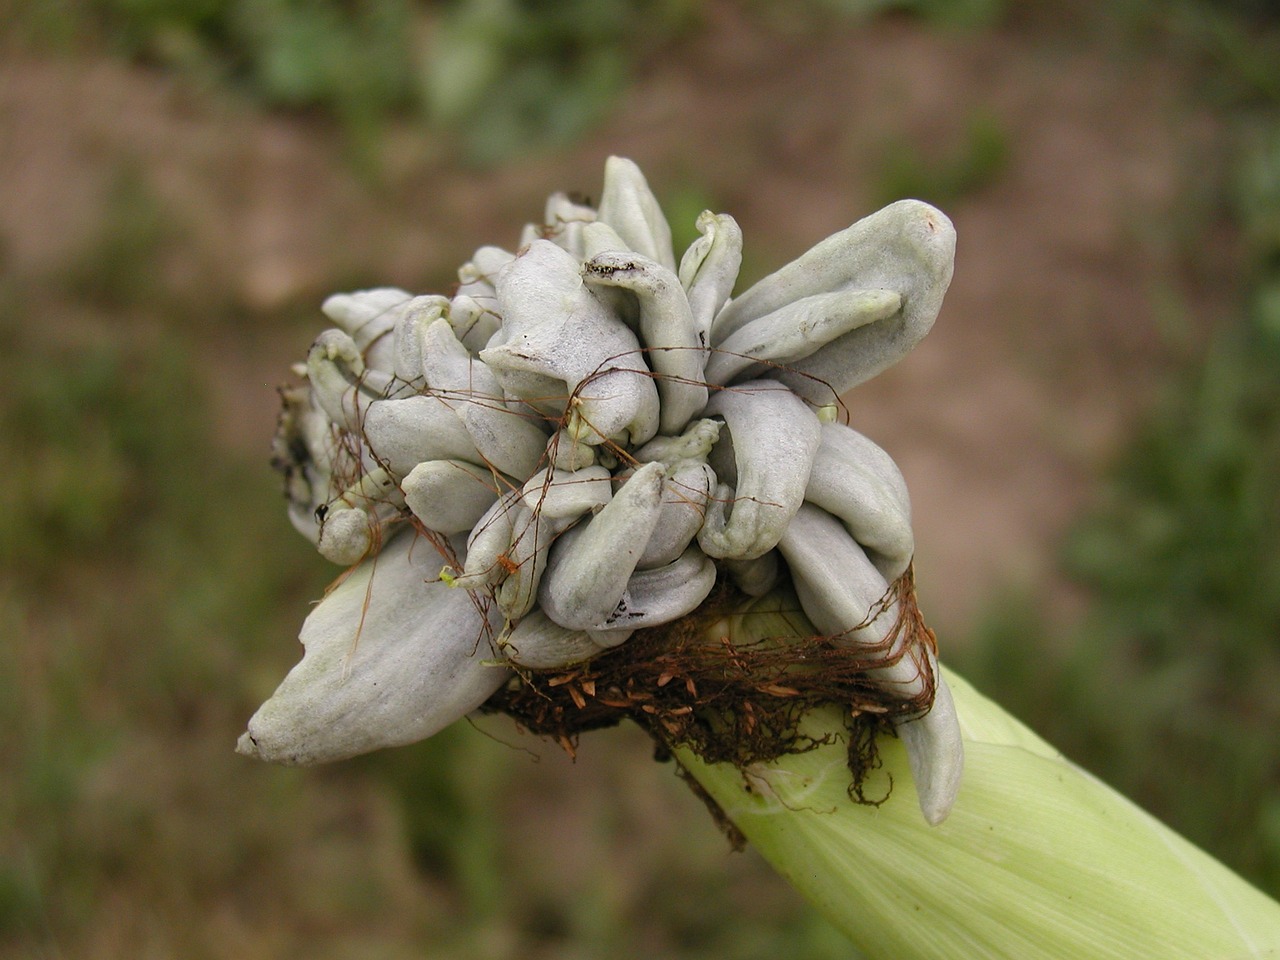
pixel 734 702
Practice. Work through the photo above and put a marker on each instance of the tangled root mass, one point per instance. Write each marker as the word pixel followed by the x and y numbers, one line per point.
pixel 690 685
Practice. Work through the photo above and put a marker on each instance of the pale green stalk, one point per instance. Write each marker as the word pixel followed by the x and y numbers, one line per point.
pixel 1037 859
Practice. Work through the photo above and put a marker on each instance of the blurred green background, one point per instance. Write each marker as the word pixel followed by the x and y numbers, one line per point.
pixel 1092 432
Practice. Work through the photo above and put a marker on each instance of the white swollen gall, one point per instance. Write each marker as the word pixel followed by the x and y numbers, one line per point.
pixel 709 269
pixel 525 561
pixel 556 329
pixel 775 437
pixel 662 594
pixel 487 546
pixel 342 385
pixel 908 247
pixel 860 484
pixel 685 493
pixel 796 331
pixel 539 643
pixel 507 441
pixel 353 525
pixel 590 565
pixel 629 206
pixel 565 495
pixel 844 596
pixel 369 316
pixel 666 328
pixel 757 576
pixel 404 433
pixel 390 657
pixel 564 220
pixel 610 431
pixel 407 345
pixel 449 496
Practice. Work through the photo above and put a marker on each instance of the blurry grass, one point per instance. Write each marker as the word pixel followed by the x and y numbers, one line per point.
pixel 510 76
pixel 1167 689
pixel 500 78
pixel 1233 44
pixel 130 598
pixel 121 263
pixel 942 179
pixel 947 13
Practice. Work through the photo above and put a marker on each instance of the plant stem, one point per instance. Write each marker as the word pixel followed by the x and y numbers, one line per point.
pixel 1038 859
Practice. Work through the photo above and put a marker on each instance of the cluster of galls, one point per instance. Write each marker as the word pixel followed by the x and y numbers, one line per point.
pixel 591 434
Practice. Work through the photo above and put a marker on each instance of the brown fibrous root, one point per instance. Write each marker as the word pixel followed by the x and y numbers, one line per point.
pixel 691 685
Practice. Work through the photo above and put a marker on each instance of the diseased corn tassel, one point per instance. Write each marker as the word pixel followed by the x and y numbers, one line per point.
pixel 551 470
pixel 612 432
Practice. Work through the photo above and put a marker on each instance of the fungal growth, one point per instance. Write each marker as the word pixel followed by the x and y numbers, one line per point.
pixel 547 480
